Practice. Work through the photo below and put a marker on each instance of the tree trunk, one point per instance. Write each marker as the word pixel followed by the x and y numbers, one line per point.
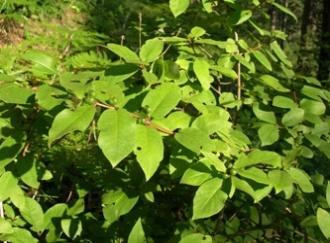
pixel 324 56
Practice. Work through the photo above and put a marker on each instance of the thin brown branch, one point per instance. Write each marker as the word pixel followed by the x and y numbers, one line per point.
pixel 239 82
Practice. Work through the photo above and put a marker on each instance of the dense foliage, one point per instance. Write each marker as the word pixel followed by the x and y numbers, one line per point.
pixel 156 121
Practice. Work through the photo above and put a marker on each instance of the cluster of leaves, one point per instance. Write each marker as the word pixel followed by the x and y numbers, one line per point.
pixel 188 139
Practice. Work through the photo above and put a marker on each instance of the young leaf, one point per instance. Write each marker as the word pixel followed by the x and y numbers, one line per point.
pixel 162 99
pixel 268 134
pixel 201 68
pixel 72 228
pixel 282 181
pixel 137 233
pixel 117 135
pixel 12 93
pixel 149 150
pixel 125 53
pixel 151 50
pixel 284 10
pixel 280 53
pixel 323 220
pixel 197 32
pixel 259 157
pixel 262 59
pixel 68 121
pixel 301 178
pixel 196 237
pixel 284 102
pixel 7 183
pixel 178 7
pixel 209 199
pixel 267 116
pixel 313 107
pixel 32 213
pixel 293 117
pixel 273 83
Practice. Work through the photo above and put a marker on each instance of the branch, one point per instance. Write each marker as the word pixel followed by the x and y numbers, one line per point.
pixel 239 85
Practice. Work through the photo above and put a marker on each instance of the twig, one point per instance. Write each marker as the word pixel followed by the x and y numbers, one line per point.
pixel 140 30
pixel 239 88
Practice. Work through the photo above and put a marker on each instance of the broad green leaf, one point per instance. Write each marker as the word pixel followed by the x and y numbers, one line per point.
pixel 178 7
pixel 242 185
pixel 56 211
pixel 323 219
pixel 262 59
pixel 259 194
pixel 293 117
pixel 5 227
pixel 193 139
pixel 161 100
pixel 116 204
pixel 196 237
pixel 15 94
pixel 197 32
pixel 226 71
pixel 176 120
pixel 327 194
pixel 27 169
pixel 120 72
pixel 43 63
pixel 314 93
pixel 284 102
pixel 255 174
pixel 268 134
pixel 7 183
pixel 19 235
pixel 77 208
pixel 72 228
pixel 137 233
pixel 209 199
pixel 68 121
pixel 109 92
pixel 9 149
pixel 259 157
pixel 196 175
pixel 149 77
pixel 207 4
pixel 124 52
pixel 282 181
pixel 46 96
pixel 267 116
pixel 149 150
pixel 273 83
pixel 301 179
pixel 313 107
pixel 32 213
pixel 280 53
pixel 240 16
pixel 151 50
pixel 117 135
pixel 284 10
pixel 201 68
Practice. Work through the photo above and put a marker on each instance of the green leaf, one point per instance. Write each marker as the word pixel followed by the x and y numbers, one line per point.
pixel 196 237
pixel 161 100
pixel 201 68
pixel 27 169
pixel 280 53
pixel 196 175
pixel 327 195
pixel 301 179
pixel 117 203
pixel 259 157
pixel 124 52
pixel 151 50
pixel 240 16
pixel 32 213
pixel 284 102
pixel 267 116
pixel 5 227
pixel 262 59
pixel 9 149
pixel 19 235
pixel 273 83
pixel 77 208
pixel 12 93
pixel 68 121
pixel 149 150
pixel 197 32
pixel 313 107
pixel 209 199
pixel 120 72
pixel 54 212
pixel 178 7
pixel 284 10
pixel 293 117
pixel 268 134
pixel 282 181
pixel 7 183
pixel 207 5
pixel 193 139
pixel 323 219
pixel 72 228
pixel 43 63
pixel 255 174
pixel 117 135
pixel 137 233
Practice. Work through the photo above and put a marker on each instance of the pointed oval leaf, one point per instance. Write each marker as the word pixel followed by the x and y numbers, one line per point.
pixel 151 50
pixel 202 70
pixel 149 150
pixel 117 135
pixel 284 102
pixel 301 179
pixel 72 228
pixel 161 100
pixel 178 7
pixel 327 195
pixel 209 199
pixel 273 83
pixel 196 237
pixel 137 233
pixel 268 134
pixel 267 116
pixel 313 107
pixel 323 220
pixel 293 117
pixel 124 52
pixel 68 121
pixel 15 94
pixel 7 183
pixel 32 213
pixel 262 59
